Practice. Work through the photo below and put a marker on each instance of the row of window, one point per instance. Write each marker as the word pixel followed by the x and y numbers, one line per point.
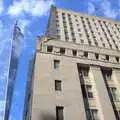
pixel 93 33
pixel 60 113
pixel 88 92
pixel 74 52
pixel 112 91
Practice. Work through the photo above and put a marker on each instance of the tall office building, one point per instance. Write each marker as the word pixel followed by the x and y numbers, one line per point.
pixel 7 88
pixel 77 69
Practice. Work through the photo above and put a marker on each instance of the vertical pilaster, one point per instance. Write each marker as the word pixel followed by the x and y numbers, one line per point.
pixel 103 94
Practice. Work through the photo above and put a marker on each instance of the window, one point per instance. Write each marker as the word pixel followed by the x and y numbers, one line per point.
pixel 85 71
pixel 116 47
pixel 82 41
pixel 86 54
pixel 63 14
pixel 57 21
pixel 117 59
pixel 62 50
pixel 89 91
pixel 49 48
pixel 59 113
pixel 76 20
pixel 113 93
pixel 80 34
pixel 96 43
pixel 56 64
pixel 89 42
pixel 103 44
pixel 96 56
pixel 108 75
pixel 94 114
pixel 73 34
pixel 58 85
pixel 74 40
pixel 66 38
pixel 58 31
pixel 58 36
pixel 74 52
pixel 107 57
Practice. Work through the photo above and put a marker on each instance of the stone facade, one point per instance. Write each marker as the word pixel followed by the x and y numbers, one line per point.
pixel 88 74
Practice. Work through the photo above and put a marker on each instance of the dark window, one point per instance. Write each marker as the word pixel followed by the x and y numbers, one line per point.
pixel 58 36
pixel 117 59
pixel 56 64
pixel 57 21
pixel 89 91
pixel 108 75
pixel 94 113
pixel 96 43
pixel 58 85
pixel 74 39
pixel 82 41
pixel 80 34
pixel 89 42
pixel 107 57
pixel 62 50
pixel 63 14
pixel 110 46
pixel 85 72
pixel 66 38
pixel 74 52
pixel 59 113
pixel 49 48
pixel 113 91
pixel 116 46
pixel 103 44
pixel 86 54
pixel 96 56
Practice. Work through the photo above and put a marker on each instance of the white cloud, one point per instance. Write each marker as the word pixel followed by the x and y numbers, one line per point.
pixel 105 7
pixel 31 7
pixel 91 8
pixel 108 10
pixel 1 6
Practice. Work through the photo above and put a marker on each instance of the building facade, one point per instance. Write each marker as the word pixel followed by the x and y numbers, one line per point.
pixel 77 69
pixel 7 88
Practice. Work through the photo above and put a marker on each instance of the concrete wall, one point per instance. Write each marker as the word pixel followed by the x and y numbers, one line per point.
pixel 45 98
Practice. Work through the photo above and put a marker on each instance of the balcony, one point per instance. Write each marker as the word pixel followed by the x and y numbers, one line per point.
pixel 111 83
pixel 117 104
pixel 85 80
pixel 92 102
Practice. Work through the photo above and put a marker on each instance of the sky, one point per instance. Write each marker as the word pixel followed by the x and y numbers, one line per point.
pixel 33 19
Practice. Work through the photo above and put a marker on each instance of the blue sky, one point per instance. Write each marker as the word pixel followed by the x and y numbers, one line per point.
pixel 33 18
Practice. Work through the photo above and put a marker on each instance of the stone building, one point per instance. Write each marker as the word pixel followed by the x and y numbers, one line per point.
pixel 77 69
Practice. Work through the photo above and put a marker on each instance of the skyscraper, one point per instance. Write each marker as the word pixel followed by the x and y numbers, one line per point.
pixel 8 86
pixel 77 69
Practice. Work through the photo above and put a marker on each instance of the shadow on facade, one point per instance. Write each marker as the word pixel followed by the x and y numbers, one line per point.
pixel 47 116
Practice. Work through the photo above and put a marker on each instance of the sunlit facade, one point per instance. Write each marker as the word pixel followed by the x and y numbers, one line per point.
pixel 77 69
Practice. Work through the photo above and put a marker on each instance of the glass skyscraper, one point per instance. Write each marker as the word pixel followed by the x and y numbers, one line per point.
pixel 7 81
